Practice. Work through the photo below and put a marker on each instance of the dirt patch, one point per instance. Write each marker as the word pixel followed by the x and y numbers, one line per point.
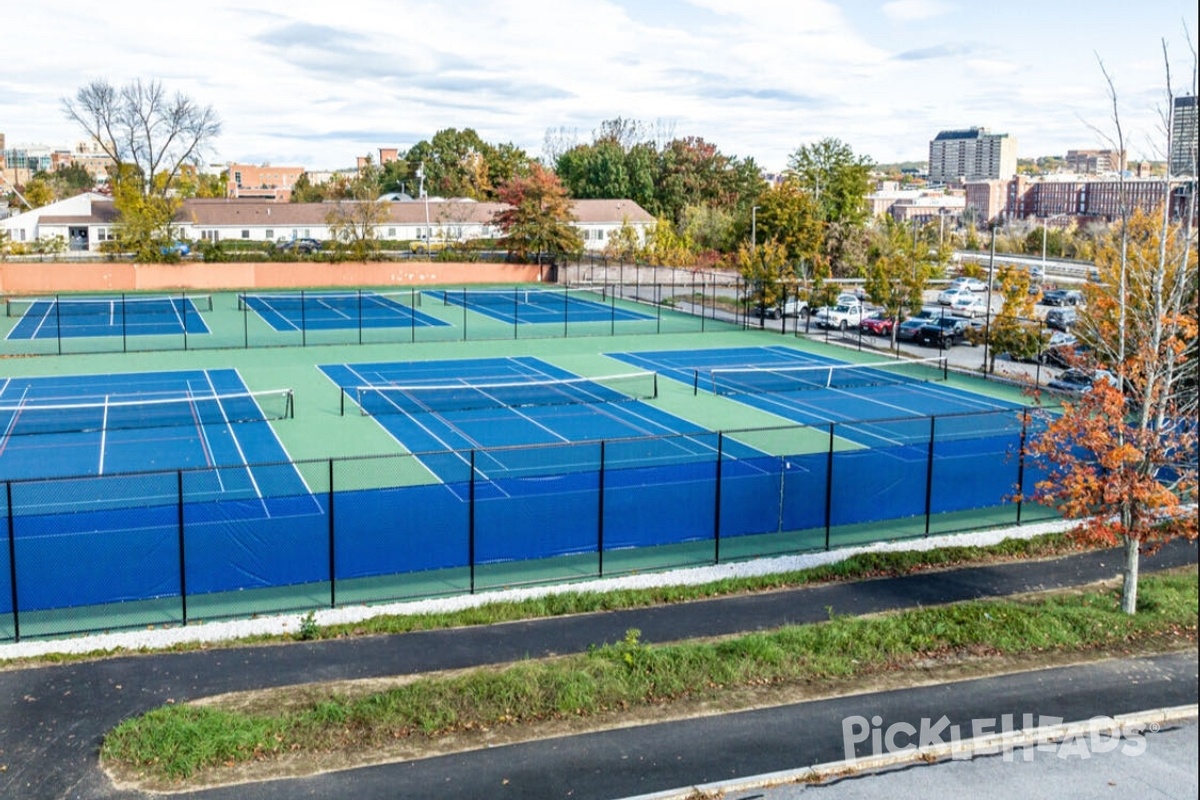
pixel 931 671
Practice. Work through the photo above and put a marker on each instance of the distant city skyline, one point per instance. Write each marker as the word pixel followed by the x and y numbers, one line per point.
pixel 316 84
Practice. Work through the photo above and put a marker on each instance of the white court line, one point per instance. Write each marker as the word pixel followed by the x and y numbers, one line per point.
pixel 103 435
pixel 237 444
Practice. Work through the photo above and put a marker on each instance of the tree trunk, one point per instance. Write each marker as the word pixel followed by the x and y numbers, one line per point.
pixel 1129 590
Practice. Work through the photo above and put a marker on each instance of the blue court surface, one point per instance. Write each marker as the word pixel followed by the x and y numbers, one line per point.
pixel 851 397
pixel 534 306
pixel 296 311
pixel 52 318
pixel 98 425
pixel 504 408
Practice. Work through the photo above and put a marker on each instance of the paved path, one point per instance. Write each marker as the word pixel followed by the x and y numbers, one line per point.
pixel 52 718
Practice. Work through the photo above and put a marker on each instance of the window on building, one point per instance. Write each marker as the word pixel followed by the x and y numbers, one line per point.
pixel 270 234
pixel 245 233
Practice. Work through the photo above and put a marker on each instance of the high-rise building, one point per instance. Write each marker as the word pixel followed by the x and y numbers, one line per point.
pixel 973 154
pixel 1092 162
pixel 1184 137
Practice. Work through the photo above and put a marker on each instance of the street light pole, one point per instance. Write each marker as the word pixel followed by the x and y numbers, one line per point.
pixel 987 322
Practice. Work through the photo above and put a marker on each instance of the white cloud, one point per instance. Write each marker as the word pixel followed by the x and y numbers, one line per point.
pixel 315 84
pixel 910 10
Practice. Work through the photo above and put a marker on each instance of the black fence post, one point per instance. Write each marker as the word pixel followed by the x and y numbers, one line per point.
pixel 183 608
pixel 929 473
pixel 600 514
pixel 124 336
pixel 1021 463
pixel 332 544
pixel 471 523
pixel 12 562
pixel 829 487
pixel 717 501
pixel 303 321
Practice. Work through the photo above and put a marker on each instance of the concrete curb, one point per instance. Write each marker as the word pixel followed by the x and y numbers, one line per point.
pixel 964 749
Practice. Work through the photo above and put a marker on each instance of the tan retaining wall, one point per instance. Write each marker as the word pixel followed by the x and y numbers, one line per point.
pixel 50 278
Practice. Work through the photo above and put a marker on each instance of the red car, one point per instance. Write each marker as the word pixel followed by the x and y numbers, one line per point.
pixel 878 324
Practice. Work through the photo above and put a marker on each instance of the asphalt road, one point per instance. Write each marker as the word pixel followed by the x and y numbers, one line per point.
pixel 52 718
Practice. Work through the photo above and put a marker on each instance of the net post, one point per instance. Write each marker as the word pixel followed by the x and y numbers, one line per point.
pixel 341 401
pixel 695 382
pixel 654 381
pixel 290 407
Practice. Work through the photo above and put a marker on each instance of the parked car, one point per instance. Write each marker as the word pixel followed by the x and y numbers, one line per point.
pixel 1063 297
pixel 1077 381
pixel 790 308
pixel 304 246
pixel 841 316
pixel 967 282
pixel 848 299
pixel 180 249
pixel 1061 318
pixel 878 324
pixel 1061 350
pixel 944 332
pixel 948 296
pixel 907 331
pixel 971 305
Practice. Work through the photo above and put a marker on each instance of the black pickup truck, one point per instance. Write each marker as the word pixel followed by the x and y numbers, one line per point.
pixel 944 332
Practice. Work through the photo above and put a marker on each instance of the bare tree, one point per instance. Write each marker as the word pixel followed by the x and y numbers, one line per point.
pixel 1121 458
pixel 141 126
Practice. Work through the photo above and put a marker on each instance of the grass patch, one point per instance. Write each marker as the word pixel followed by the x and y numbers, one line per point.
pixel 174 743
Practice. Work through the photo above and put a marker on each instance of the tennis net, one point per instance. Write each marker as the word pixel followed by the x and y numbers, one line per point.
pixel 346 302
pixel 534 297
pixel 750 380
pixel 109 413
pixel 426 398
pixel 140 305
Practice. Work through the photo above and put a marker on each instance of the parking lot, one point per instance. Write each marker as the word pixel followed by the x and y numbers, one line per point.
pixel 963 357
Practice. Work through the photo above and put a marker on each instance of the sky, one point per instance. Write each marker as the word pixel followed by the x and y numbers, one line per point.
pixel 317 83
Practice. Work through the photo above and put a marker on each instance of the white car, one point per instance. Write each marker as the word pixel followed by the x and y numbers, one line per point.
pixel 968 305
pixel 965 282
pixel 948 296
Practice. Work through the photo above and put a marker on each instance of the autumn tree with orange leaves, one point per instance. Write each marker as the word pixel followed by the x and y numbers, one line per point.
pixel 539 217
pixel 1121 458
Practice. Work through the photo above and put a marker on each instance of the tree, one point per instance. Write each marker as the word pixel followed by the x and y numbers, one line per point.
pixel 624 245
pixel 1122 458
pixel 666 247
pixel 150 137
pixel 900 266
pixel 789 215
pixel 38 192
pixel 1010 330
pixel 538 219
pixel 140 126
pixel 837 179
pixel 353 220
pixel 769 276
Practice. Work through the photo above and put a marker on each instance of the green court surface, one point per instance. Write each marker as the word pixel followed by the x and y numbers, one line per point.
pixel 337 451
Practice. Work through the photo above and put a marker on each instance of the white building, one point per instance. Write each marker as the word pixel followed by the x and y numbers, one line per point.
pixel 973 154
pixel 86 220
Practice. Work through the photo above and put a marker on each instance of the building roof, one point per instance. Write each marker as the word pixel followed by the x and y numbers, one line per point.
pixel 969 133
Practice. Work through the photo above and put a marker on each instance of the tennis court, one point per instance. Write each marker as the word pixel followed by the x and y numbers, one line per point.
pixel 83 425
pixel 106 316
pixel 505 407
pixel 534 306
pixel 302 311
pixel 867 399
